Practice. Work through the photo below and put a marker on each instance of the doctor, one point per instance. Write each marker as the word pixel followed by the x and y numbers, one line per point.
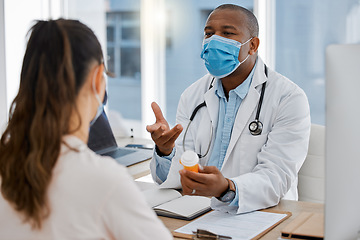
pixel 252 131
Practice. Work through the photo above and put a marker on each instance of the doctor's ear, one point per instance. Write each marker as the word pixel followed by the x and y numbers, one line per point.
pixel 254 45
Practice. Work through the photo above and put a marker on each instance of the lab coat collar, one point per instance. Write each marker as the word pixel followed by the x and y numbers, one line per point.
pixel 259 76
pixel 212 103
pixel 247 107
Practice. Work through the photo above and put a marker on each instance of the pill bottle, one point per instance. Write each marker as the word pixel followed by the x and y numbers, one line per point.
pixel 190 160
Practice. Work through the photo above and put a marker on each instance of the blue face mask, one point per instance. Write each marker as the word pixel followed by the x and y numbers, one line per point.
pixel 221 55
pixel 100 108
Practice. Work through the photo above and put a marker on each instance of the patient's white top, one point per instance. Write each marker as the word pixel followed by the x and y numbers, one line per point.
pixel 91 197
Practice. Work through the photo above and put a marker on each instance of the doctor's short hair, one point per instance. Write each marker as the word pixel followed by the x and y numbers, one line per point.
pixel 252 23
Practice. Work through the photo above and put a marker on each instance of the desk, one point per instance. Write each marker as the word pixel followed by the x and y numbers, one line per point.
pixel 295 207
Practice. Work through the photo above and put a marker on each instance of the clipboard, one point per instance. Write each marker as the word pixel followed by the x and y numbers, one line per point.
pixel 306 225
pixel 288 214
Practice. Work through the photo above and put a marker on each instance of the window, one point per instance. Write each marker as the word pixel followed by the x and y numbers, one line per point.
pixel 124 60
pixel 303 31
pixel 123 44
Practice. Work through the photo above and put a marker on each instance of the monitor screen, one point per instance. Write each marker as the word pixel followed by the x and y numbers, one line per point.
pixel 342 165
pixel 101 136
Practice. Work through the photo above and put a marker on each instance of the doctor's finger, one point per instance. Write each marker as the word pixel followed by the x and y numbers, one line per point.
pixel 166 143
pixel 153 127
pixel 189 185
pixel 186 189
pixel 209 170
pixel 200 177
pixel 192 191
pixel 185 184
pixel 158 132
pixel 172 134
pixel 158 113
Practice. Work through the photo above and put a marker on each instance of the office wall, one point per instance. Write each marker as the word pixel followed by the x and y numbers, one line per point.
pixel 15 22
pixel 16 28
pixel 16 19
pixel 91 13
pixel 3 101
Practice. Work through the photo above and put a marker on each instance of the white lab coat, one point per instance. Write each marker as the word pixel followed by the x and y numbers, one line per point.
pixel 264 167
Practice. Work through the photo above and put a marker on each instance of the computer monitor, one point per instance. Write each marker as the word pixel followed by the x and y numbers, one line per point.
pixel 342 166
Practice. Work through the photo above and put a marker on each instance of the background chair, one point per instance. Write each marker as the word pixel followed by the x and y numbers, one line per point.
pixel 311 186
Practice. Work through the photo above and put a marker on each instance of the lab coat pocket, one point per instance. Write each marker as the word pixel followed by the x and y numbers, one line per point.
pixel 249 147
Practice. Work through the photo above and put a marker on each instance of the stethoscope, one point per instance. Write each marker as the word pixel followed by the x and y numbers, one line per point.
pixel 255 127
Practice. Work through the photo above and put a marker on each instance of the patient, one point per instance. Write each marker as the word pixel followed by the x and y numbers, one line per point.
pixel 52 185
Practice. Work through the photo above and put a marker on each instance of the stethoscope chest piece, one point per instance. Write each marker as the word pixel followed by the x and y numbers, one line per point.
pixel 255 127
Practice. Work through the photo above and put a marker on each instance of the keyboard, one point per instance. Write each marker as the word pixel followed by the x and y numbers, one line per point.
pixel 118 152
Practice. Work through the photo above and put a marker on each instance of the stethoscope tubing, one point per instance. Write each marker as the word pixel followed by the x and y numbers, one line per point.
pixel 259 124
pixel 211 135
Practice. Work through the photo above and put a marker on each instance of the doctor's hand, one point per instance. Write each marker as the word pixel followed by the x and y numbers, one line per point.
pixel 161 134
pixel 208 182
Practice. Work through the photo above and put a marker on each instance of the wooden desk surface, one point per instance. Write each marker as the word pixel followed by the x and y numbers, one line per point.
pixel 295 207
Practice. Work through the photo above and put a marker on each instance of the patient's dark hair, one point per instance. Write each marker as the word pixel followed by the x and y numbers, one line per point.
pixel 252 23
pixel 55 65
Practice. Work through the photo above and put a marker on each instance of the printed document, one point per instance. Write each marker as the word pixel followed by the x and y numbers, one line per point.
pixel 240 227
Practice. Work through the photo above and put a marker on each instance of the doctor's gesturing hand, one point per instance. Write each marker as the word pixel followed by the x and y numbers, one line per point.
pixel 161 134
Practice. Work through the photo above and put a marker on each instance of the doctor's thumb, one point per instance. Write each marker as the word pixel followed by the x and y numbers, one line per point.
pixel 208 169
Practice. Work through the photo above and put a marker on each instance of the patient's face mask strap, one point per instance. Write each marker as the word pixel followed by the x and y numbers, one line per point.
pixel 101 105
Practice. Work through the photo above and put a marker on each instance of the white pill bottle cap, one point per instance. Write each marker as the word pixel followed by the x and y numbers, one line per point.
pixel 189 158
